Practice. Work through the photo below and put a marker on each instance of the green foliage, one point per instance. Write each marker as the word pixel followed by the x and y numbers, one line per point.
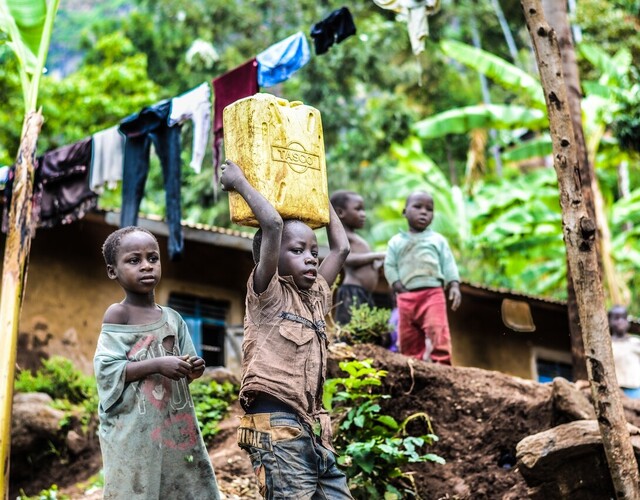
pixel 367 325
pixel 59 379
pixel 211 400
pixel 97 96
pixel 464 120
pixel 28 24
pixel 72 392
pixel 508 75
pixel 49 494
pixel 372 446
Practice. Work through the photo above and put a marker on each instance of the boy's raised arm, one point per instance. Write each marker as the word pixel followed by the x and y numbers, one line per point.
pixel 338 248
pixel 233 179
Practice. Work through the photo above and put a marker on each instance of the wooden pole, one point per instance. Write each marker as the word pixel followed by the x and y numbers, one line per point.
pixel 580 238
pixel 14 274
pixel 556 14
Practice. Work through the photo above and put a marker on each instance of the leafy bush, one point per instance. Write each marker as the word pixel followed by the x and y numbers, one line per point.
pixel 59 379
pixel 373 446
pixel 368 325
pixel 212 400
pixel 72 391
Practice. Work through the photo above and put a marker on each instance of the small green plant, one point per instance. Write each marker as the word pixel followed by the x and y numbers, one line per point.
pixel 50 494
pixel 212 400
pixel 59 379
pixel 72 391
pixel 368 325
pixel 373 446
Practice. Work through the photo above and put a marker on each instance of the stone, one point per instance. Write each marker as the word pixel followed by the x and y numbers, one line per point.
pixel 568 461
pixel 32 420
pixel 76 443
pixel 569 403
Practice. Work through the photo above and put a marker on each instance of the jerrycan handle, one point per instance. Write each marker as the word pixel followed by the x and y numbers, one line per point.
pixel 291 104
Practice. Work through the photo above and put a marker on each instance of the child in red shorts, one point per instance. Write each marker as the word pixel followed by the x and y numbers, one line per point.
pixel 420 266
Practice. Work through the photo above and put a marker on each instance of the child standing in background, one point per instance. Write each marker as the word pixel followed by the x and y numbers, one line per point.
pixel 362 265
pixel 419 266
pixel 285 429
pixel 149 436
pixel 626 352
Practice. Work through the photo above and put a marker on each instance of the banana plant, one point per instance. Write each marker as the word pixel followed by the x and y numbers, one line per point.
pixel 415 171
pixel 25 26
pixel 601 104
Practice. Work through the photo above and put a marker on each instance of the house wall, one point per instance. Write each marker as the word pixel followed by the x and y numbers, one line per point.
pixel 68 290
pixel 481 339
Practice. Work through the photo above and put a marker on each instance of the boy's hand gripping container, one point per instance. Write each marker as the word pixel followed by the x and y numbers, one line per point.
pixel 280 147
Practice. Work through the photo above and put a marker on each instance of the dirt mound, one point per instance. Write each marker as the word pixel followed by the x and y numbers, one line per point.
pixel 478 415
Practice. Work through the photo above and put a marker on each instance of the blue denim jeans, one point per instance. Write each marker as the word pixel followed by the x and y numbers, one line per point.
pixel 288 461
pixel 141 130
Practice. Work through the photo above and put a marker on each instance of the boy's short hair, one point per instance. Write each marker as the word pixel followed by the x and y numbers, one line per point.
pixel 415 193
pixel 257 239
pixel 112 243
pixel 340 198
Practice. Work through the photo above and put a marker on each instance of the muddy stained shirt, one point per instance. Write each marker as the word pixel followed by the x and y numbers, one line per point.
pixel 285 348
pixel 150 441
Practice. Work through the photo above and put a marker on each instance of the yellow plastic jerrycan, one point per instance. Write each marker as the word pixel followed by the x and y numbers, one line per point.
pixel 280 147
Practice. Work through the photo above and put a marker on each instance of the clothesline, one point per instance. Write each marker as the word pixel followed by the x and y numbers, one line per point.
pixel 70 178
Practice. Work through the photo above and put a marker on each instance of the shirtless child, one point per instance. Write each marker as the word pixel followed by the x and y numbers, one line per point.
pixel 362 265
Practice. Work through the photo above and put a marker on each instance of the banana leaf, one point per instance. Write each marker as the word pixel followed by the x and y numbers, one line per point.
pixel 500 71
pixel 28 25
pixel 24 22
pixel 613 69
pixel 540 146
pixel 463 120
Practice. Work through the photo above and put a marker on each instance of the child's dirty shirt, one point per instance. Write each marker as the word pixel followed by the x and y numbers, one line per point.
pixel 149 436
pixel 285 348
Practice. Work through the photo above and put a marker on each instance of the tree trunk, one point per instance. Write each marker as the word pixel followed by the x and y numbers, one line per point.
pixel 556 12
pixel 580 238
pixel 14 275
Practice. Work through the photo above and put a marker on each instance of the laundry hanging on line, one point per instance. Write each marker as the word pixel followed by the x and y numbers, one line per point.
pixel 236 84
pixel 68 199
pixel 281 60
pixel 334 28
pixel 416 14
pixel 107 159
pixel 61 192
pixel 151 126
pixel 194 105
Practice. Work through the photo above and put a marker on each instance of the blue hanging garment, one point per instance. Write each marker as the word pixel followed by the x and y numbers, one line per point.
pixel 277 63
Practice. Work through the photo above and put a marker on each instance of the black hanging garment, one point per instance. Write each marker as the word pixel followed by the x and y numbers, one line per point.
pixel 332 29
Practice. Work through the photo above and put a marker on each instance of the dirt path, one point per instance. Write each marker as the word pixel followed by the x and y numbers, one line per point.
pixel 232 465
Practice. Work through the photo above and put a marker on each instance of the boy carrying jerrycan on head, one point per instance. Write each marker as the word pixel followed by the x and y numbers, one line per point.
pixel 285 429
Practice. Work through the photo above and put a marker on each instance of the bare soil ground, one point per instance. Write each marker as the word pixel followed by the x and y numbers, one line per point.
pixel 478 415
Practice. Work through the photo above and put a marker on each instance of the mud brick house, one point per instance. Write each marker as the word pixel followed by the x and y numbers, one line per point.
pixel 68 290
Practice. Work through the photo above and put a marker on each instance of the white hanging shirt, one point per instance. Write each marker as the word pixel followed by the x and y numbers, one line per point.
pixel 416 13
pixel 107 157
pixel 196 106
